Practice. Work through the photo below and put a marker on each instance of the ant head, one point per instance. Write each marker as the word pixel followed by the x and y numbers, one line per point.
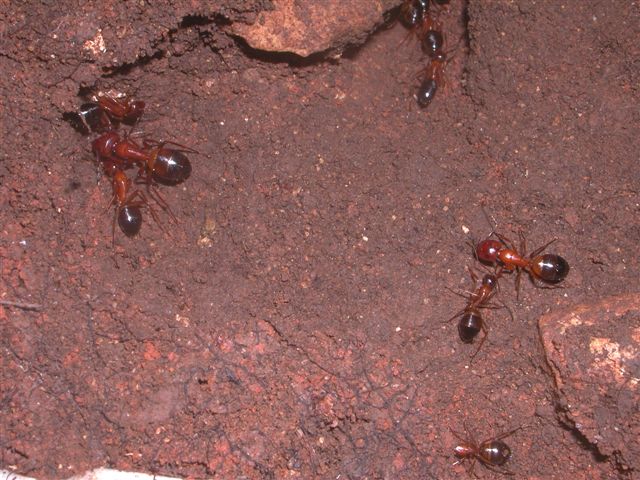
pixel 427 92
pixel 487 250
pixel 489 280
pixel 103 145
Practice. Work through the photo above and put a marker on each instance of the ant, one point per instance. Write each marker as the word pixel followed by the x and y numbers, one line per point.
pixel 491 453
pixel 548 268
pixel 471 321
pixel 128 205
pixel 154 160
pixel 107 109
pixel 433 46
pixel 415 15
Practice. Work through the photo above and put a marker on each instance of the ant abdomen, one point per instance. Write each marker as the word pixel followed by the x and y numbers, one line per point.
pixel 495 452
pixel 130 220
pixel 470 325
pixel 412 12
pixel 550 268
pixel 427 92
pixel 93 118
pixel 171 166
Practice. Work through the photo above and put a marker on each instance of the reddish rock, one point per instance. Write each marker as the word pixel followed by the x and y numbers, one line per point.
pixel 594 353
pixel 305 28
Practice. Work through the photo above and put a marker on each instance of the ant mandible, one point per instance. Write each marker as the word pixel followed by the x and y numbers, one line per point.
pixel 471 321
pixel 492 453
pixel 549 267
pixel 107 109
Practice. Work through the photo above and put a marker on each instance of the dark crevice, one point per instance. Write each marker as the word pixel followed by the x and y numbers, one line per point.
pixel 465 25
pixel 585 443
pixel 289 58
pixel 126 68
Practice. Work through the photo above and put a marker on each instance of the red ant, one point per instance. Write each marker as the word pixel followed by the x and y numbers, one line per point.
pixel 128 205
pixel 432 45
pixel 549 267
pixel 155 163
pixel 154 160
pixel 108 109
pixel 492 453
pixel 415 15
pixel 471 321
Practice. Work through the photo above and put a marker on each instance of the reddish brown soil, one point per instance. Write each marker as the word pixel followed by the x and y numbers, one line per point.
pixel 293 325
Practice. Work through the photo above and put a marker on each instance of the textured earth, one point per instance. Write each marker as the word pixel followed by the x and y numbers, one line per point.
pixel 293 322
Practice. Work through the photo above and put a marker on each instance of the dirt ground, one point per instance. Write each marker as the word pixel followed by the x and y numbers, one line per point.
pixel 293 323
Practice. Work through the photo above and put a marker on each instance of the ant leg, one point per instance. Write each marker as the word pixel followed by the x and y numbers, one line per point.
pixel 507 243
pixel 470 436
pixel 495 469
pixel 472 441
pixel 504 305
pixel 409 34
pixel 113 227
pixel 144 202
pixel 465 294
pixel 473 244
pixel 455 316
pixel 472 468
pixel 155 194
pixel 147 142
pixel 536 283
pixel 474 277
pixel 153 213
pixel 145 177
pixel 485 330
pixel 111 203
pixel 506 434
pixel 459 436
pixel 541 249
pixel 98 171
pixel 493 225
pixel 523 243
pixel 518 277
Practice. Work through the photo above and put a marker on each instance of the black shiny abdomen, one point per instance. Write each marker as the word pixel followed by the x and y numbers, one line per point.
pixel 469 326
pixel 171 166
pixel 412 12
pixel 426 92
pixel 550 268
pixel 495 452
pixel 130 220
pixel 91 118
